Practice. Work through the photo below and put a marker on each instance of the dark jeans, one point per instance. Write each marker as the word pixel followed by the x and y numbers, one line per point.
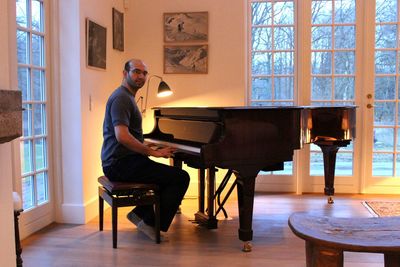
pixel 172 181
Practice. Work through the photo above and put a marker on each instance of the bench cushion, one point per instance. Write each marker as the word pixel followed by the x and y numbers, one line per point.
pixel 116 187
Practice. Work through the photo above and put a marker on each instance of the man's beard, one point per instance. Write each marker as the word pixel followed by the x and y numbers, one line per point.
pixel 133 84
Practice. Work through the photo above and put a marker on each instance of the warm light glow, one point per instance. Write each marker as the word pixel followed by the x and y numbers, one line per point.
pixel 164 93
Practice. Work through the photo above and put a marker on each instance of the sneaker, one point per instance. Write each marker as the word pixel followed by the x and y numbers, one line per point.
pixel 148 230
pixel 133 218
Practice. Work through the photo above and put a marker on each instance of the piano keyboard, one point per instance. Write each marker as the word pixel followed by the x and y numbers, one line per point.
pixel 179 147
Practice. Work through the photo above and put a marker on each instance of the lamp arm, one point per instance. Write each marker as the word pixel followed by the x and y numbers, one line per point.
pixel 147 91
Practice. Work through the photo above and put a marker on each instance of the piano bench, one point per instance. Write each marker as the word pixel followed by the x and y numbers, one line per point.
pixel 125 194
pixel 327 238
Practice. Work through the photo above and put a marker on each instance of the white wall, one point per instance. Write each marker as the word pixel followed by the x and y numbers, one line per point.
pixel 81 121
pixel 7 241
pixel 224 85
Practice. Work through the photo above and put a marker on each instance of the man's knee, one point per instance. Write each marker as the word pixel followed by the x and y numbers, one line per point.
pixel 185 178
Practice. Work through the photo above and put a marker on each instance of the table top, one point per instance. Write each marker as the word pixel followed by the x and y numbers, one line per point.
pixel 373 234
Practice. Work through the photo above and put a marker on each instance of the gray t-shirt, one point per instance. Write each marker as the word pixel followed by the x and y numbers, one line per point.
pixel 121 108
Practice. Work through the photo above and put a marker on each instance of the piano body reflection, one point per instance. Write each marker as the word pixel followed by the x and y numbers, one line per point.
pixel 247 140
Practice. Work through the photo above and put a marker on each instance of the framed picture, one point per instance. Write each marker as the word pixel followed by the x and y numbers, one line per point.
pixel 186 27
pixel 96 44
pixel 185 59
pixel 118 29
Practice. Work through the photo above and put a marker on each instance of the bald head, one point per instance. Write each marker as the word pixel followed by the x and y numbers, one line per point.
pixel 135 74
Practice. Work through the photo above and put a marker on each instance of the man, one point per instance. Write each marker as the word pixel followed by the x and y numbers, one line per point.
pixel 125 157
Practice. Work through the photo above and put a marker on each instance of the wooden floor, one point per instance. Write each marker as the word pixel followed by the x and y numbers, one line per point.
pixel 61 245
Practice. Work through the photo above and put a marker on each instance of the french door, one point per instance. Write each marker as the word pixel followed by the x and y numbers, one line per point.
pixel 331 52
pixel 33 80
pixel 381 101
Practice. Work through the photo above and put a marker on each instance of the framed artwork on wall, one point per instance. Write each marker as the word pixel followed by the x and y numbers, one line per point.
pixel 118 29
pixel 186 27
pixel 96 45
pixel 185 59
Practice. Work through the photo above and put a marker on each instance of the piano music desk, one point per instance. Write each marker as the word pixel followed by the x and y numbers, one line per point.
pixel 327 238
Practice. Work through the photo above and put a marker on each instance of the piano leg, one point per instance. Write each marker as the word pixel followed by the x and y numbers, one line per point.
pixel 245 190
pixel 329 150
pixel 208 218
pixel 201 189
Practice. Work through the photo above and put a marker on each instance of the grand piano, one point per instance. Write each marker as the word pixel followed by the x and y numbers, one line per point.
pixel 247 140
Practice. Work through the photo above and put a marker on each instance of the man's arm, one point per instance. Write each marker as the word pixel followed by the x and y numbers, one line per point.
pixel 125 138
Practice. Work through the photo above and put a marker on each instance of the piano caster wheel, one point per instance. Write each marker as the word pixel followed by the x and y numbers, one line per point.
pixel 247 246
pixel 330 199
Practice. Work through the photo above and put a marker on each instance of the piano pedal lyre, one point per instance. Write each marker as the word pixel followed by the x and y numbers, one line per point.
pixel 247 246
pixel 330 200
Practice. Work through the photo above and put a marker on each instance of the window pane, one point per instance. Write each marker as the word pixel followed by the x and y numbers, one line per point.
pixel 386 11
pixel 345 37
pixel 37 50
pixel 287 169
pixel 344 88
pixel 397 164
pixel 37 15
pixel 26 156
pixel 38 85
pixel 321 12
pixel 283 88
pixel 27 120
pixel 382 164
pixel 39 119
pixel 345 11
pixel 262 63
pixel 385 36
pixel 262 38
pixel 283 38
pixel 316 164
pixel 321 38
pixel 41 187
pixel 22 47
pixel 384 113
pixel 344 164
pixel 385 88
pixel 321 62
pixel 344 63
pixel 283 13
pixel 283 63
pixel 321 89
pixel 384 139
pixel 385 62
pixel 261 13
pixel 22 14
pixel 40 151
pixel 24 83
pixel 261 89
pixel 27 192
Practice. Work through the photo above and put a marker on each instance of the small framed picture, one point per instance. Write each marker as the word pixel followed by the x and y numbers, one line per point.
pixel 186 59
pixel 186 27
pixel 96 44
pixel 118 29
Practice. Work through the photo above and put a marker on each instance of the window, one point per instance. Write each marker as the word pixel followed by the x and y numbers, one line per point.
pixel 386 146
pixel 333 45
pixel 32 83
pixel 273 67
pixel 272 53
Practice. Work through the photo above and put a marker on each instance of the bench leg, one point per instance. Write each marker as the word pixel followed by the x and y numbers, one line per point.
pixel 157 222
pixel 101 213
pixel 392 260
pixel 114 216
pixel 318 256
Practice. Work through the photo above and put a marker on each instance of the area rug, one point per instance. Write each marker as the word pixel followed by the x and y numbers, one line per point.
pixel 383 208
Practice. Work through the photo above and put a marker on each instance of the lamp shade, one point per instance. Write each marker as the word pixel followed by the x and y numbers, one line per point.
pixel 163 89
